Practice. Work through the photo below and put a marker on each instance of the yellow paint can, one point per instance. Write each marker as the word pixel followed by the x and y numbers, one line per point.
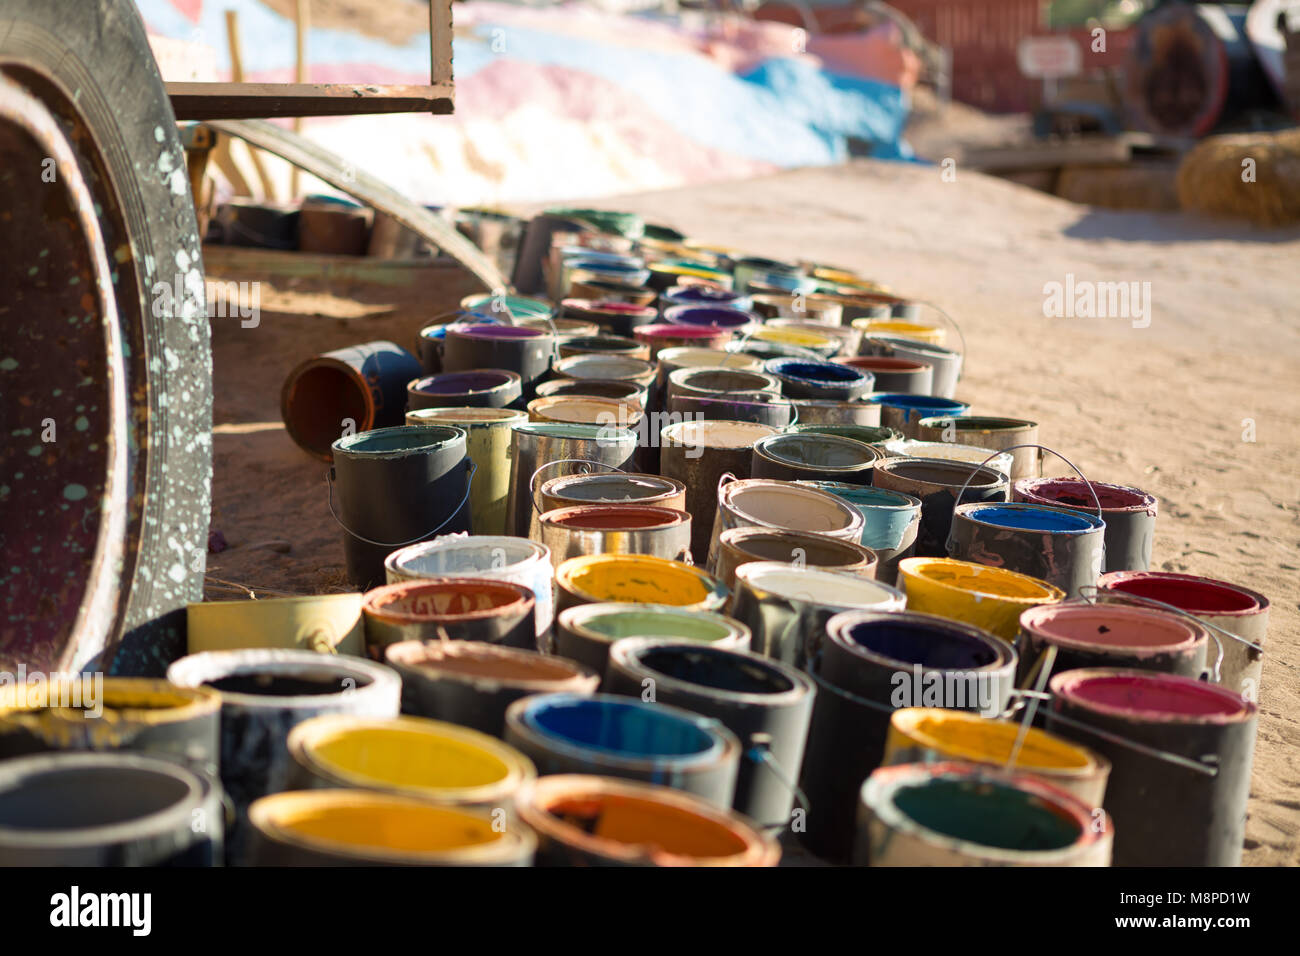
pixel 991 598
pixel 639 579
pixel 917 331
pixel 327 623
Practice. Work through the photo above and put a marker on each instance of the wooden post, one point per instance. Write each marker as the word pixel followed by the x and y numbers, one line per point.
pixel 302 23
pixel 237 76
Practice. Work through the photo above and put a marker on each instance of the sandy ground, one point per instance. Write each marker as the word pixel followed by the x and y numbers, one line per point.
pixel 1198 407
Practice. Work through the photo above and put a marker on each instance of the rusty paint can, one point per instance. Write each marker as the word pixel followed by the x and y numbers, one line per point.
pixel 616 529
pixel 450 609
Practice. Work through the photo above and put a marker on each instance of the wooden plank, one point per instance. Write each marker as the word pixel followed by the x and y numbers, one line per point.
pixel 1049 154
pixel 244 262
pixel 212 101
pixel 440 33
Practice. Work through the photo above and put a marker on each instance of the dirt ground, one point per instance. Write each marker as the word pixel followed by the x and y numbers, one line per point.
pixel 1197 407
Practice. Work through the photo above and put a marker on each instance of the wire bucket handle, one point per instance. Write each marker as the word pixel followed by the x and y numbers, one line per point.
pixel 951 321
pixel 532 482
pixel 469 484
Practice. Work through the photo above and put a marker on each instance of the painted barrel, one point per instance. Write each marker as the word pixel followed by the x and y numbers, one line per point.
pixel 785 607
pixel 365 828
pixel 776 413
pixel 611 489
pixel 875 435
pixel 495 557
pixel 1165 814
pixel 720 382
pixel 585 633
pixel 867 665
pixel 983 431
pixel 637 579
pixel 606 367
pixel 660 336
pixel 408 756
pixel 905 412
pixel 895 374
pixel 87 712
pixel 563 449
pixel 487 443
pixel 583 820
pixel 472 683
pixel 991 598
pixel 477 388
pixel 890 521
pixel 107 809
pixel 617 737
pixel 617 529
pixel 949 451
pixel 362 384
pixel 526 352
pixel 808 456
pixel 1113 635
pixel 937 483
pixel 767 706
pixel 938 735
pixel 604 345
pixel 397 486
pixel 1130 514
pixel 1238 610
pixel 819 380
pixel 1063 547
pixel 326 623
pixel 740 546
pixel 946 364
pixel 450 609
pixel 820 413
pixel 781 506
pixel 952 814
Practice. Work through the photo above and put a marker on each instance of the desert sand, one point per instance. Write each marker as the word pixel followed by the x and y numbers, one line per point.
pixel 1198 407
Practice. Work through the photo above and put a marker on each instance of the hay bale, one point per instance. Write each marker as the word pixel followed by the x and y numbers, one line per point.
pixel 1145 184
pixel 1210 179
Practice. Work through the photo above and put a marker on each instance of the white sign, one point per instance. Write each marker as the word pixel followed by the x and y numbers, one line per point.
pixel 1049 57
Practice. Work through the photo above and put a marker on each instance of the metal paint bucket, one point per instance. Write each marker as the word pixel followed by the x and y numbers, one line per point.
pixel 568 447
pixel 890 520
pixel 408 756
pixel 816 412
pixel 782 506
pixel 562 329
pixel 939 735
pixel 590 287
pixel 1236 609
pixel 907 412
pixel 826 381
pixel 787 607
pixel 874 435
pixel 527 352
pixel 1057 545
pixel 697 295
pixel 911 448
pixel 364 828
pixel 670 336
pixel 593 388
pixel 614 318
pixel 903 329
pixel 617 737
pixel 606 367
pixel 511 306
pixel 617 529
pixel 614 488
pixel 946 364
pixel 638 579
pixel 585 633
pixel 991 598
pixel 1113 635
pixel 775 414
pixel 820 343
pixel 723 319
pixel 1130 515
pixel 953 814
pixel 487 443
pixel 450 609
pixel 908 376
pixel 472 683
pixel 741 546
pixel 397 486
pixel 1165 813
pixel 765 704
pixel 995 434
pixel 328 623
pixel 480 388
pixel 721 382
pixel 811 309
pixel 107 809
pixel 813 457
pixel 749 268
pixel 604 345
pixel 361 387
pixel 938 483
pixel 583 820
pixel 619 413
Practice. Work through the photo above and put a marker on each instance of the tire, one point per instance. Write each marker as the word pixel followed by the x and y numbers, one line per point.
pixel 93 580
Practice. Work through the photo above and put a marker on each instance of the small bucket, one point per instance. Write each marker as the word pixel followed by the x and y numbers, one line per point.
pixel 592 388
pixel 890 520
pixel 901 328
pixel 781 506
pixel 819 380
pixel 938 483
pixel 1130 515
pixel 571 448
pixel 991 598
pixel 450 609
pixel 617 529
pixel 948 451
pixel 721 382
pixel 740 546
pixel 609 316
pixel 808 456
pixel 946 364
pixel 874 435
pixel 526 352
pixel 723 319
pixel 619 413
pixel 1113 635
pixel 638 579
pixel 611 489
pixel 585 633
pixel 776 413
pixel 479 388
pixel 827 346
pixel 995 434
pixel 1063 547
pixel 907 376
pixel 906 412
pixel 815 413
pixel 606 367
pixel 660 336
pixel 327 623
pixel 604 345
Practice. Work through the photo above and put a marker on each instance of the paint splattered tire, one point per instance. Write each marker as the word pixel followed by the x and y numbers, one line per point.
pixel 105 379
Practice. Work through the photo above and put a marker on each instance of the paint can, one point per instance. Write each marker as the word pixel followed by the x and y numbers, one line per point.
pixel 562 329
pixel 1232 608
pixel 1063 547
pixel 609 316
pixel 702 295
pixel 583 820
pixel 365 828
pixel 907 412
pixel 361 387
pixel 991 598
pixel 890 521
pixel 604 345
pixel 911 448
pixel 824 381
pixel 637 579
pixel 829 412
pixel 825 345
pixel 786 607
pixel 610 489
pixel 593 388
pixel 937 484
pixel 781 506
pixel 471 683
pixel 747 269
pixel 662 336
pixel 809 456
pixel 514 307
pixel 1165 813
pixel 586 632
pixel 952 814
pixel 908 376
pixel 1113 635
pixel 479 388
pixel 487 443
pixel 606 367
pixel 618 413
pixel 450 609
pixel 430 760
pixel 526 352
pixel 875 435
pixel 939 735
pixel 867 664
pixel 720 382
pixel 432 338
pixel 566 447
pixel 397 486
pixel 667 275
pixel 327 623
pixel 1130 515
pixel 775 414
pixel 633 739
pixel 617 529
pixel 765 704
pixel 720 318
pixel 810 309
pixel 946 364
pixel 995 434
pixel 578 272
pixel 741 546
pixel 107 809
pixel 610 290
pixel 902 328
